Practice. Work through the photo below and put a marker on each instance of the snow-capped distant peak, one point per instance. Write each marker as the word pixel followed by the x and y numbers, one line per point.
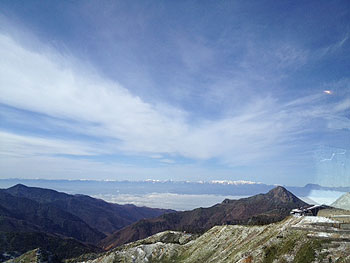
pixel 239 182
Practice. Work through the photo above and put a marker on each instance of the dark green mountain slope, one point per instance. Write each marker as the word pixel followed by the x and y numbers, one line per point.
pixel 98 214
pixel 19 214
pixel 62 224
pixel 16 243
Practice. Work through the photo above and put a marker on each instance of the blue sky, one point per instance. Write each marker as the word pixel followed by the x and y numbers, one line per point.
pixel 180 90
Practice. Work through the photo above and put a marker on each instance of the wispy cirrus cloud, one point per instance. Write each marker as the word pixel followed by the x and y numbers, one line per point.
pixel 232 109
pixel 26 146
pixel 334 47
pixel 59 87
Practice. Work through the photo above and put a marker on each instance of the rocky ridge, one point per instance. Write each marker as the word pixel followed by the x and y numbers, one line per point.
pixel 278 242
pixel 260 209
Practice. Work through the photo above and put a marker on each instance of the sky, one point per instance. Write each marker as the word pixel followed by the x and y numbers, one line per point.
pixel 176 90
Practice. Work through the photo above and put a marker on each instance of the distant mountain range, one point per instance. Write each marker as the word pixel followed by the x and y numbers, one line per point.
pixel 256 210
pixel 228 188
pixel 29 213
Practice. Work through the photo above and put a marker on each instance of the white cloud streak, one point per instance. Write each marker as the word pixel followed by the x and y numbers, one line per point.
pixel 58 86
pixel 24 146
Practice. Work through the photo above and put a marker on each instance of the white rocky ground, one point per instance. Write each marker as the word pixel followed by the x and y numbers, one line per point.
pixel 342 202
pixel 296 239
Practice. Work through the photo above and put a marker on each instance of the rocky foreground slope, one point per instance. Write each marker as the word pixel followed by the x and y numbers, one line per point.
pixel 295 239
